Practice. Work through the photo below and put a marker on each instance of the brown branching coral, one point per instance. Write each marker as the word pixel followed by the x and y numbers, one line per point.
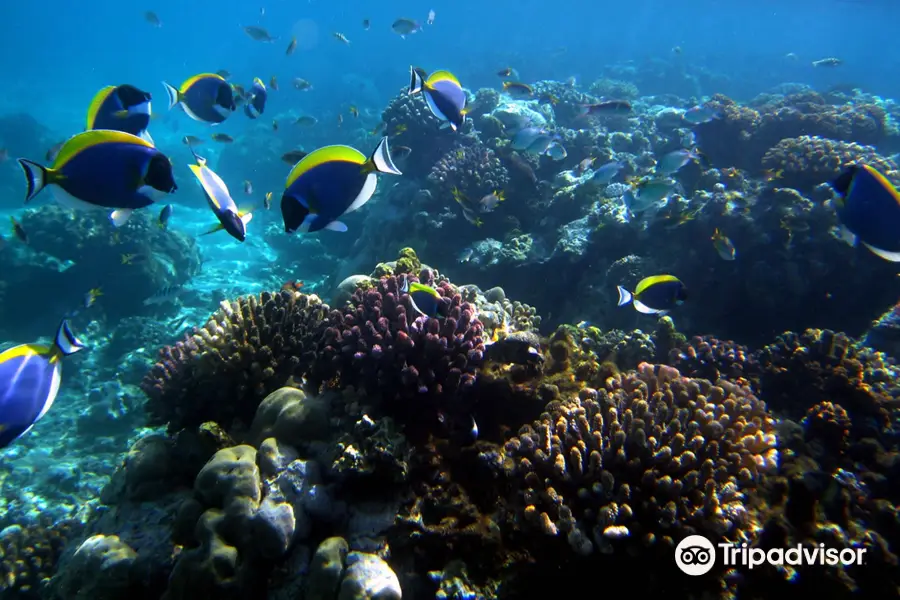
pixel 652 457
pixel 250 347
pixel 28 556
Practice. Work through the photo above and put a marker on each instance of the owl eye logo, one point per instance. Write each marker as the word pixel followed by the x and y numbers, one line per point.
pixel 695 555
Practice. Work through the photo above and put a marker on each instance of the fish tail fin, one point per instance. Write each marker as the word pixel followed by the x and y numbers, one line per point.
pixel 625 296
pixel 381 159
pixel 415 81
pixel 200 160
pixel 174 94
pixel 36 177
pixel 65 340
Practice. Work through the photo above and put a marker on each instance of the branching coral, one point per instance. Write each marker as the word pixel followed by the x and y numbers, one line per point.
pixel 381 344
pixel 249 347
pixel 652 457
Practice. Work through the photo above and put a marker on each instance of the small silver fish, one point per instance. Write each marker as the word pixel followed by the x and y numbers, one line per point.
pixel 608 172
pixel 724 246
pixel 167 294
pixel 676 159
pixel 701 114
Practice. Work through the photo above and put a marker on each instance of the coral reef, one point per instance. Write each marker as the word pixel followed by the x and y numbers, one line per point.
pixel 807 161
pixel 473 169
pixel 249 347
pixel 650 458
pixel 29 554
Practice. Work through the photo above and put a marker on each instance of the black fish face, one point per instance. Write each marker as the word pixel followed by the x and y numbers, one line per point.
pixel 234 225
pixel 159 174
pixel 842 182
pixel 132 96
pixel 225 97
pixel 293 213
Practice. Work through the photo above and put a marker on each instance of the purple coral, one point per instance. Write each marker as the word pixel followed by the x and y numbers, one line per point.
pixel 381 344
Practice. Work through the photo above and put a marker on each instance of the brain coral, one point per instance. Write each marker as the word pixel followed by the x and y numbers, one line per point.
pixel 250 347
pixel 652 457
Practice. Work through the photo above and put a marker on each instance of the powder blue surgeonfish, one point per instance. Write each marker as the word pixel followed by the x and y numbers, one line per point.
pixel 206 97
pixel 330 182
pixel 219 199
pixel 122 108
pixel 103 169
pixel 655 295
pixel 424 298
pixel 444 95
pixel 30 375
pixel 868 207
pixel 256 99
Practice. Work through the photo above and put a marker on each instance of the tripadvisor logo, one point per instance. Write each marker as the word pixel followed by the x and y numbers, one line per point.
pixel 696 555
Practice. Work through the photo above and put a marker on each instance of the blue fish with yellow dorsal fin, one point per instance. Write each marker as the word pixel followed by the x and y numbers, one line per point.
pixel 868 207
pixel 122 108
pixel 444 95
pixel 655 295
pixel 331 182
pixel 425 299
pixel 256 99
pixel 103 168
pixel 30 375
pixel 206 97
pixel 220 201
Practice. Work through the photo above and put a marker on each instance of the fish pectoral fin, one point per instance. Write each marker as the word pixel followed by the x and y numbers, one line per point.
pixel 886 255
pixel 847 236
pixel 213 229
pixel 246 216
pixel 120 216
pixel 336 226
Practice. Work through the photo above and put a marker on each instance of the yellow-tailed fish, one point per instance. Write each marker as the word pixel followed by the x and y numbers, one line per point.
pixel 723 246
pixel 256 100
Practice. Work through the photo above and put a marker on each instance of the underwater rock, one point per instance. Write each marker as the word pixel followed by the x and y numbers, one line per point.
pixel 327 569
pixel 345 289
pixel 100 569
pixel 290 416
pixel 369 577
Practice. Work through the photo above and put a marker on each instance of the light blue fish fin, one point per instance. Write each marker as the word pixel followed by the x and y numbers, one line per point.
pixel 246 216
pixel 624 296
pixel 336 226
pixel 644 309
pixel 35 177
pixel 65 340
pixel 174 95
pixel 120 216
pixel 415 81
pixel 886 255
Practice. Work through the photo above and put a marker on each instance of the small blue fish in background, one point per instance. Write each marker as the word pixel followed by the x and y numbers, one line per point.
pixel 331 182
pixel 443 93
pixel 30 375
pixel 700 114
pixel 103 169
pixel 206 97
pixel 164 215
pixel 424 298
pixel 256 99
pixel 655 295
pixel 675 160
pixel 220 202
pixel 606 173
pixel 122 108
pixel 868 207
